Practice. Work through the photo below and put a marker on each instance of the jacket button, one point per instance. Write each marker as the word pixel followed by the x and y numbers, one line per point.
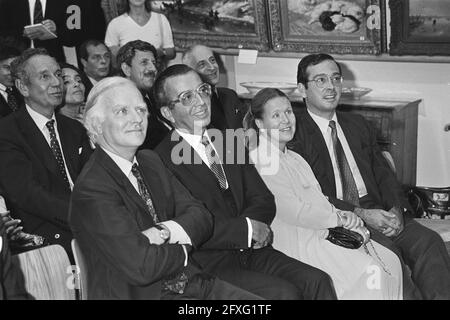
pixel 57 236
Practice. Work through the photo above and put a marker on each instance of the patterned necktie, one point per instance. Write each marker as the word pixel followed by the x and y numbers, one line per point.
pixel 56 149
pixel 144 193
pixel 38 16
pixel 349 188
pixel 214 163
pixel 11 99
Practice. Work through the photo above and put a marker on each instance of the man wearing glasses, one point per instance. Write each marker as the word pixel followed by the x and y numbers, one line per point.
pixel 239 250
pixel 342 150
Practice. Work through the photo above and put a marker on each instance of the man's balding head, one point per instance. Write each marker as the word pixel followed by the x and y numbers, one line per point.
pixel 201 58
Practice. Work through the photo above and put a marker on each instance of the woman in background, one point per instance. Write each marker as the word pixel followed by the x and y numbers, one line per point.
pixel 139 22
pixel 73 103
pixel 304 214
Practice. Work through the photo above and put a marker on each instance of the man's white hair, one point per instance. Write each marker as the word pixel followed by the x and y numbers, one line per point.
pixel 96 103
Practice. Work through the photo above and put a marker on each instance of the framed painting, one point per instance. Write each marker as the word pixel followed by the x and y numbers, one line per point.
pixel 420 27
pixel 239 24
pixel 339 27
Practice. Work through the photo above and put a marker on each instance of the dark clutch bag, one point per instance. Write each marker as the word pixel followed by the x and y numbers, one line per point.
pixel 345 238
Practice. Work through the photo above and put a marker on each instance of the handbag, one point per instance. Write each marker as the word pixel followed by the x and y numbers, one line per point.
pixel 348 238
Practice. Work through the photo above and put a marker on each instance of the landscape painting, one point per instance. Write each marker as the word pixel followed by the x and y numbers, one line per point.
pixel 224 23
pixel 429 19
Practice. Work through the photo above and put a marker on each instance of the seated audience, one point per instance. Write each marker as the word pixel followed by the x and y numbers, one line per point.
pixel 239 250
pixel 96 60
pixel 41 153
pixel 343 153
pixel 10 99
pixel 73 102
pixel 16 14
pixel 304 214
pixel 137 62
pixel 134 221
pixel 227 111
pixel 139 22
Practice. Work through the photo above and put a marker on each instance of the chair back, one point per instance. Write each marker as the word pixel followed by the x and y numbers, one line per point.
pixel 81 272
pixel 47 272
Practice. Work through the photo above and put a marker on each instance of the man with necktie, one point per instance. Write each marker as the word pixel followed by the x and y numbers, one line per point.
pixel 10 98
pixel 239 250
pixel 41 152
pixel 342 150
pixel 137 62
pixel 135 223
pixel 227 111
pixel 16 14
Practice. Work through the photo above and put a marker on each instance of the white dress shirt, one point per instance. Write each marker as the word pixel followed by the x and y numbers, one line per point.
pixel 3 92
pixel 41 122
pixel 177 234
pixel 196 143
pixel 326 132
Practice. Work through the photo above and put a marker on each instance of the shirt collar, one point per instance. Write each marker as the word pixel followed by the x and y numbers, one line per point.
pixel 2 87
pixel 93 81
pixel 39 119
pixel 322 123
pixel 124 165
pixel 193 139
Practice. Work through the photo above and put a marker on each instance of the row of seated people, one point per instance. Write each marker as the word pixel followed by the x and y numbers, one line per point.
pixel 153 228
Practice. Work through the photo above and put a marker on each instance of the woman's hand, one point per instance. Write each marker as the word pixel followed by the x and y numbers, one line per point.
pixel 349 220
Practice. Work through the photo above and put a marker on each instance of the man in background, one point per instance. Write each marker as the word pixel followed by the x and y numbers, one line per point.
pixel 10 99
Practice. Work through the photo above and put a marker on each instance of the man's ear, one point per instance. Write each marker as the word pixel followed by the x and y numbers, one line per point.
pixel 167 113
pixel 84 63
pixel 126 69
pixel 259 124
pixel 23 89
pixel 301 89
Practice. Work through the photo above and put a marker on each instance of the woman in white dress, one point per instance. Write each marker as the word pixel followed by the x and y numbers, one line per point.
pixel 304 214
pixel 139 22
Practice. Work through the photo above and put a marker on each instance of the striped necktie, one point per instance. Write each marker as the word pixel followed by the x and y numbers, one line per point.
pixel 38 14
pixel 214 163
pixel 349 188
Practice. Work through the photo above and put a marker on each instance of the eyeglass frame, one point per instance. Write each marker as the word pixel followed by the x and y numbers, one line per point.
pixel 196 93
pixel 328 80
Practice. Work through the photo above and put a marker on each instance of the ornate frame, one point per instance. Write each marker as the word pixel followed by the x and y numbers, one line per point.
pixel 234 40
pixel 402 43
pixel 373 41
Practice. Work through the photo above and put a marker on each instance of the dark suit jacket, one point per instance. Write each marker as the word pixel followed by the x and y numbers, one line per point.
pixel 15 15
pixel 227 104
pixel 5 108
pixel 251 196
pixel 33 187
pixel 383 189
pixel 107 217
pixel 156 129
pixel 12 282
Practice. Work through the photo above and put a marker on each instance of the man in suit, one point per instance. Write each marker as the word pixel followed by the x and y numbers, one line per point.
pixel 342 150
pixel 96 60
pixel 12 283
pixel 137 62
pixel 134 221
pixel 41 153
pixel 227 111
pixel 239 250
pixel 10 99
pixel 16 14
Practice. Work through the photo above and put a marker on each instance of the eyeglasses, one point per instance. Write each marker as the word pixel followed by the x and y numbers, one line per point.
pixel 322 80
pixel 188 98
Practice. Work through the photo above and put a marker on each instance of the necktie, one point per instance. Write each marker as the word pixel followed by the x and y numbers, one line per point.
pixel 38 16
pixel 214 163
pixel 144 193
pixel 56 149
pixel 11 99
pixel 178 281
pixel 349 188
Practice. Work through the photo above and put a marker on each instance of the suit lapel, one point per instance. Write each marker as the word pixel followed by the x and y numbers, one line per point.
pixel 124 183
pixel 229 109
pixel 321 157
pixel 36 141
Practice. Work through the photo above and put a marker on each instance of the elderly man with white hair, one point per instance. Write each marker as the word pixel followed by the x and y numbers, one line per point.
pixel 134 221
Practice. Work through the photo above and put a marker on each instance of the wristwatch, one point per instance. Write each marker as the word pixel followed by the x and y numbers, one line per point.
pixel 163 232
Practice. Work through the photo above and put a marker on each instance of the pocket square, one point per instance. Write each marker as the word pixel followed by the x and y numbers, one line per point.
pixel 80 149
